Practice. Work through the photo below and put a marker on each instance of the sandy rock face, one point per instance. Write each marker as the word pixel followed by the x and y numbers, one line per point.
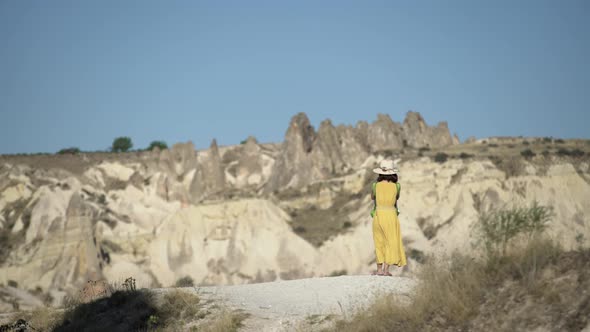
pixel 417 134
pixel 209 178
pixel 384 134
pixel 229 243
pixel 307 156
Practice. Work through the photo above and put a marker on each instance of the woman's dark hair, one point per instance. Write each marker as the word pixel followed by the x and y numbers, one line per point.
pixel 389 178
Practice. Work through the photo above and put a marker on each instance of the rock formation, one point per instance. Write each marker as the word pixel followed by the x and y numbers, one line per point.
pixel 307 156
pixel 226 215
pixel 209 178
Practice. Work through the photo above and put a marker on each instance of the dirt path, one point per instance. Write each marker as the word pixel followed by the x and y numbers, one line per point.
pixel 305 303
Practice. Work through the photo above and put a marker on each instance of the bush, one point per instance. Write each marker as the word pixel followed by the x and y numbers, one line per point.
pixel 527 153
pixel 441 157
pixel 563 152
pixel 559 141
pixel 571 153
pixel 576 153
pixel 158 144
pixel 547 139
pixel 185 282
pixel 72 150
pixel 122 144
pixel 498 228
pixel 464 155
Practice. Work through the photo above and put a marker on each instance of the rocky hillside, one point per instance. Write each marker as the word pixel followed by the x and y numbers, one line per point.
pixel 262 212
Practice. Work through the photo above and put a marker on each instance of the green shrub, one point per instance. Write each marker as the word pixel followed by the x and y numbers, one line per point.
pixel 185 282
pixel 122 144
pixel 464 155
pixel 527 153
pixel 498 228
pixel 571 153
pixel 441 157
pixel 576 153
pixel 72 150
pixel 338 273
pixel 157 144
pixel 563 152
pixel 559 141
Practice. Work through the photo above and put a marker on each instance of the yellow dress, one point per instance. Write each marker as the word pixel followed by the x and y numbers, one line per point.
pixel 386 229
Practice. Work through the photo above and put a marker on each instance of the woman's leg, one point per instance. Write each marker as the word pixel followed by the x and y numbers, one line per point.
pixel 379 270
pixel 379 240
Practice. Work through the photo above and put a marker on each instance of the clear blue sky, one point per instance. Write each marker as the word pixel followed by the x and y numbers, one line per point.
pixel 80 73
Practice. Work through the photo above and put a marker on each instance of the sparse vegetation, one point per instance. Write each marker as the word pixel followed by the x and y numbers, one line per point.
pixel 157 144
pixel 576 153
pixel 130 309
pixel 338 273
pixel 185 282
pixel 441 157
pixel 498 228
pixel 72 150
pixel 122 144
pixel 464 155
pixel 299 229
pixel 527 153
pixel 512 166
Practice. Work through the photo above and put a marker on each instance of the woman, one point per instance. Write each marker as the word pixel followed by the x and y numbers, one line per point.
pixel 386 229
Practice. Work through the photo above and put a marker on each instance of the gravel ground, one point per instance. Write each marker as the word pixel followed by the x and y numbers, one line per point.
pixel 289 305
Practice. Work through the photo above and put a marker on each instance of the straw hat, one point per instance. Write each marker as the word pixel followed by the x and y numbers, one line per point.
pixel 386 167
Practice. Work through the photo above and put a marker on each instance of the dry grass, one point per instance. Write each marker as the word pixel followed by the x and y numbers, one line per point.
pixel 462 293
pixel 448 294
pixel 225 321
pixel 177 308
pixel 41 319
pixel 451 290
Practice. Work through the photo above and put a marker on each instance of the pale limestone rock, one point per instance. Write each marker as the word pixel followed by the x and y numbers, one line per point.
pixel 293 167
pixel 417 133
pixel 384 134
pixel 231 242
pixel 115 171
pixel 209 178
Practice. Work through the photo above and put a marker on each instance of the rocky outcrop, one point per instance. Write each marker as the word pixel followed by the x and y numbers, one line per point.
pixel 209 178
pixel 293 167
pixel 307 156
pixel 247 166
pixel 417 134
pixel 384 134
